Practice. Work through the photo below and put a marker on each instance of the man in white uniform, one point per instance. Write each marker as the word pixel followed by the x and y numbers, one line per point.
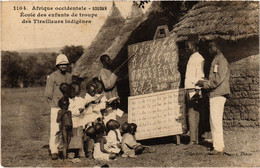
pixel 108 78
pixel 194 73
pixel 53 94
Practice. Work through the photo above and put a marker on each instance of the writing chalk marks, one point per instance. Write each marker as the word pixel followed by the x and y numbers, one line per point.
pixel 158 114
pixel 154 67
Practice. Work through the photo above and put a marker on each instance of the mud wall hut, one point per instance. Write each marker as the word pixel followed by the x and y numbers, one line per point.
pixel 236 25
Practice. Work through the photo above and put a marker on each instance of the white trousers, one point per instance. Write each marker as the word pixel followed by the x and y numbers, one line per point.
pixel 216 121
pixel 55 140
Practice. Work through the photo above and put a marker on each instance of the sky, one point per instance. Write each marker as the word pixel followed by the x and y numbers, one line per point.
pixel 16 35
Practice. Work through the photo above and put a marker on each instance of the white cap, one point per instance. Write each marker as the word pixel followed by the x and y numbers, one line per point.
pixel 62 59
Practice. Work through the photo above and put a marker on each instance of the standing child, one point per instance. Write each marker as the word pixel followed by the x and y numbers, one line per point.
pixel 100 144
pixel 76 107
pixel 65 123
pixel 78 102
pixel 65 89
pixel 89 114
pixel 113 137
pixel 129 145
pixel 100 94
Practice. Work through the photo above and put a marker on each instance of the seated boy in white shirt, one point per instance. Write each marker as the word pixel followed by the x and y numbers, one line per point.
pixel 108 107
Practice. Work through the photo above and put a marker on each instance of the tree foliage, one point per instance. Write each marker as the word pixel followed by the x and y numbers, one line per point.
pixel 73 52
pixel 142 3
pixel 174 8
pixel 11 69
pixel 31 69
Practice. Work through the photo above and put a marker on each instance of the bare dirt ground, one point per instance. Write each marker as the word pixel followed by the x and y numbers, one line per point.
pixel 25 135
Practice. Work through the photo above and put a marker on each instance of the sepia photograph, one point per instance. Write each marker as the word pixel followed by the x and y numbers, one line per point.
pixel 130 83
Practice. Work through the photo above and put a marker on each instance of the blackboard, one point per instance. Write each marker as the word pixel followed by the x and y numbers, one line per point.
pixel 154 66
pixel 158 114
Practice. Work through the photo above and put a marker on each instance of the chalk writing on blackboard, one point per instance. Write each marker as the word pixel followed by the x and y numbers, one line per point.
pixel 154 67
pixel 158 114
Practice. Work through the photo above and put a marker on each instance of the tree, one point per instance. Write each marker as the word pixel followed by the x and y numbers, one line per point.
pixel 11 70
pixel 73 53
pixel 175 8
pixel 142 3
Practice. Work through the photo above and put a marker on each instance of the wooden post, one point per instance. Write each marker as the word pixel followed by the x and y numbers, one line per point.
pixel 178 139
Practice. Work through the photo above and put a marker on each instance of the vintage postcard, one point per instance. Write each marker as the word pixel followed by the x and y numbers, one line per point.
pixel 130 83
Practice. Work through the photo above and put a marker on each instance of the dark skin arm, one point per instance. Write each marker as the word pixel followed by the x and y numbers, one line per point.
pixel 60 114
pixel 102 143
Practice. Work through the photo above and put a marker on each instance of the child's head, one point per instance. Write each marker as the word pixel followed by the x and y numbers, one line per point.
pixel 99 128
pixel 125 127
pixel 139 150
pixel 117 124
pixel 99 85
pixel 64 103
pixel 132 128
pixel 112 125
pixel 65 89
pixel 106 61
pixel 91 89
pixel 91 132
pixel 76 87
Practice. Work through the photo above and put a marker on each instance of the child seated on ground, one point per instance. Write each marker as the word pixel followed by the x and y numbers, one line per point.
pixel 89 138
pixel 100 151
pixel 113 137
pixel 65 123
pixel 130 147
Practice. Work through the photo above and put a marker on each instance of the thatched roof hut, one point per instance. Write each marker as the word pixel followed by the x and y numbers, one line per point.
pixel 229 20
pixel 236 25
pixel 103 40
pixel 138 27
pixel 133 20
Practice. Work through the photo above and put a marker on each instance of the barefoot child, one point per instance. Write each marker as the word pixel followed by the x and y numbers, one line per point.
pixel 65 123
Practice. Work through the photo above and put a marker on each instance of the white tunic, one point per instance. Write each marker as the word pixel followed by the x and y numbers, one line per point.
pixel 194 70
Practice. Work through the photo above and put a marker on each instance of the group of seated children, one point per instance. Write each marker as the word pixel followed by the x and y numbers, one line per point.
pixel 104 142
pixel 102 138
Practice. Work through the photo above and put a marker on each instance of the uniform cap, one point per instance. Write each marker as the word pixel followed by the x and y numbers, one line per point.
pixel 62 59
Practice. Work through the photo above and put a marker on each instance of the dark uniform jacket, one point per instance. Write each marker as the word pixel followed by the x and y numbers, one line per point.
pixel 218 82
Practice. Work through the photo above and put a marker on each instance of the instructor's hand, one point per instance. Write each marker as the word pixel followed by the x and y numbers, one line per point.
pixel 200 83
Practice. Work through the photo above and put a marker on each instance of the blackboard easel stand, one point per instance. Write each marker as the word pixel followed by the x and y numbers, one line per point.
pixel 178 139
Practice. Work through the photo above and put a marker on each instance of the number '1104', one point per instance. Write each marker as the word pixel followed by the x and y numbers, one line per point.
pixel 20 8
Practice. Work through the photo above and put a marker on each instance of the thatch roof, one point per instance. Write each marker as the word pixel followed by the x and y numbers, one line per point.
pixel 138 27
pixel 133 20
pixel 229 20
pixel 103 40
